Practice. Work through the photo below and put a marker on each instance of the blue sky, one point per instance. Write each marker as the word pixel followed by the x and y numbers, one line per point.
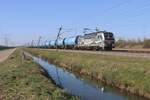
pixel 24 20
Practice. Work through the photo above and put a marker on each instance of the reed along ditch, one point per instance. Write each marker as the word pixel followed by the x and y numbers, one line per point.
pixel 78 86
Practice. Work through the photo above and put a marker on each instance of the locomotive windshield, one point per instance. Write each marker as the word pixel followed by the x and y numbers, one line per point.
pixel 108 35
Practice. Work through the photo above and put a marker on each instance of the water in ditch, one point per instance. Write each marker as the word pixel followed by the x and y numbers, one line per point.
pixel 77 86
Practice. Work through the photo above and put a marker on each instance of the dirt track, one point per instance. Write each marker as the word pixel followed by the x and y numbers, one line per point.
pixel 4 54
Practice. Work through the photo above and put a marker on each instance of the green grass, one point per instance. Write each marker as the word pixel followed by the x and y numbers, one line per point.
pixel 127 73
pixel 24 81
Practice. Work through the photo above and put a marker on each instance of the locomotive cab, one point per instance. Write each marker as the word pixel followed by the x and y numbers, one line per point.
pixel 109 40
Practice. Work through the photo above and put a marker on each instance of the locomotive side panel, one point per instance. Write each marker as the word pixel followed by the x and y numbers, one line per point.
pixel 98 40
pixel 91 41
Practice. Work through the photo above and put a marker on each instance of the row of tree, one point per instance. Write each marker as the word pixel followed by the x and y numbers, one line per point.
pixel 123 43
pixel 5 47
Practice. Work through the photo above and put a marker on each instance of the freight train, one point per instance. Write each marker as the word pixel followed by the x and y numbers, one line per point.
pixel 101 40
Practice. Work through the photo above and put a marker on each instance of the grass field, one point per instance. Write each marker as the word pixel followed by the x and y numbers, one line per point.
pixel 24 81
pixel 127 73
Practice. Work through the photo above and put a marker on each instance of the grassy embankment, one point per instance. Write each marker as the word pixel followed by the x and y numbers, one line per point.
pixel 128 74
pixel 24 81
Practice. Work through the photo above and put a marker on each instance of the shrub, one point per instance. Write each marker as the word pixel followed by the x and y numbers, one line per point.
pixel 121 43
pixel 146 43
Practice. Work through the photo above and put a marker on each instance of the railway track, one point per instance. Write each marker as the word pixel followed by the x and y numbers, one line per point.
pixel 132 50
pixel 115 52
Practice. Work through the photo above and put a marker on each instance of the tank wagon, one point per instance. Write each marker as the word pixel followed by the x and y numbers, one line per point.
pixel 101 40
pixel 46 44
pixel 71 42
pixel 52 44
pixel 59 43
pixel 41 45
